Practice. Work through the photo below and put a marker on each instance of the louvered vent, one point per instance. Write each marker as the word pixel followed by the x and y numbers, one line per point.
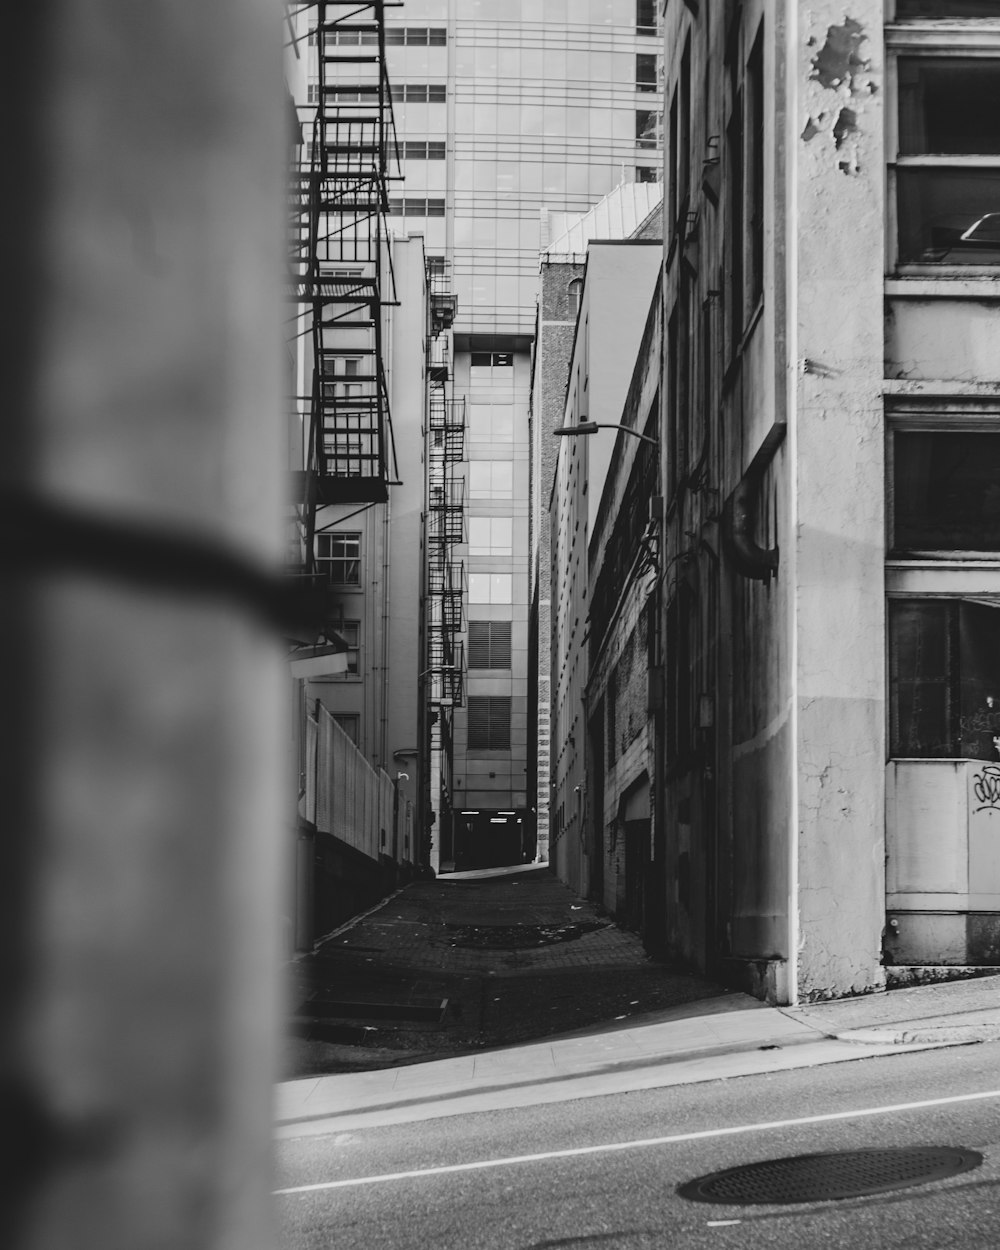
pixel 489 722
pixel 489 644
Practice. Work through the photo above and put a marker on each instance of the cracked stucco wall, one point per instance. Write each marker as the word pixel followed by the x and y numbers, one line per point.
pixel 837 212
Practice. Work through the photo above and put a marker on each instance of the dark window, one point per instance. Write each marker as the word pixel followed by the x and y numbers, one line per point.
pixel 339 556
pixel 416 207
pixel 495 360
pixel 734 227
pixel 948 214
pixel 489 644
pixel 671 170
pixel 645 173
pixel 755 171
pixel 423 150
pixel 350 631
pixel 645 16
pixel 417 36
pixel 489 722
pixel 434 265
pixel 349 724
pixel 684 131
pixel 944 679
pixel 646 71
pixel 419 93
pixel 946 8
pixel 647 128
pixel 946 491
pixel 949 105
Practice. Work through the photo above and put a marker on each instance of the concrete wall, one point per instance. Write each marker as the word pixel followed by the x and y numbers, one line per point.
pixel 836 442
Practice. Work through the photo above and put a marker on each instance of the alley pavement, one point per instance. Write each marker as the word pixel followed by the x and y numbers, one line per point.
pixel 483 991
pixel 468 962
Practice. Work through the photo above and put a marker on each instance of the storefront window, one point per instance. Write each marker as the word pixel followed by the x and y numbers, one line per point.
pixel 946 491
pixel 944 679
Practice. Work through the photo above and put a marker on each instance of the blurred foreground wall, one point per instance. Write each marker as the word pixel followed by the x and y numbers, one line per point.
pixel 143 747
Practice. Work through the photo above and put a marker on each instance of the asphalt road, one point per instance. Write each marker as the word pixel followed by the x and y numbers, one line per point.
pixel 625 1197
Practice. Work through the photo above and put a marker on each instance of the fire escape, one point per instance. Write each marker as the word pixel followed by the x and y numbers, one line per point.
pixel 445 531
pixel 342 275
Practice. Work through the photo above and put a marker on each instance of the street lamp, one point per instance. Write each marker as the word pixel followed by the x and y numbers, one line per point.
pixel 591 427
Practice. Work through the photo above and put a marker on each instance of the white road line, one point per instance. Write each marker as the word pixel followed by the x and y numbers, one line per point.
pixel 640 1144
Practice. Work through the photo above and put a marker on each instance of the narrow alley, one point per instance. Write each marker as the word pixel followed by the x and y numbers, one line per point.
pixel 465 962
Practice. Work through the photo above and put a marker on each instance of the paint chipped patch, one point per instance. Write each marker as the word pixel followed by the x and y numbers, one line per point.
pixel 839 60
pixel 839 66
pixel 845 126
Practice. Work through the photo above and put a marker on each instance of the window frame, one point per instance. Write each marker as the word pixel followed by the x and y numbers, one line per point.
pixel 328 561
pixel 941 418
pixel 967 39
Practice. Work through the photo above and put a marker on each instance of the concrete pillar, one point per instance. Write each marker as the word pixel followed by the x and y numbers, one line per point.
pixel 140 491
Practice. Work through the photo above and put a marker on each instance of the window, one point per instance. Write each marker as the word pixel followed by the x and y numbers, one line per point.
pixel 574 291
pixel 350 631
pixel 349 724
pixel 944 679
pixel 645 173
pixel 755 172
pixel 491 535
pixel 348 37
pixel 684 131
pixel 490 587
pixel 491 479
pixel 339 556
pixel 945 490
pixel 419 93
pixel 646 71
pixel 489 644
pixel 494 360
pixel 416 207
pixel 647 128
pixel 946 8
pixel 947 182
pixel 434 266
pixel 417 36
pixel 489 722
pixel 646 17
pixel 423 150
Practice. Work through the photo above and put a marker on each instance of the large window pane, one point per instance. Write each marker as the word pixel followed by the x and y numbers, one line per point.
pixel 922 713
pixel 944 679
pixel 949 105
pixel 949 216
pixel 946 491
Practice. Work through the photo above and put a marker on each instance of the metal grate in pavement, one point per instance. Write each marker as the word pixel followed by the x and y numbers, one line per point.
pixel 821 1177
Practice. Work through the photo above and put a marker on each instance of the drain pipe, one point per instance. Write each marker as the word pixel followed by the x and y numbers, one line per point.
pixel 744 552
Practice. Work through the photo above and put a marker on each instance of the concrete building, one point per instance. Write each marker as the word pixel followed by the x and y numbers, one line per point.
pixel 631 210
pixel 617 287
pixel 824 814
pixel 503 109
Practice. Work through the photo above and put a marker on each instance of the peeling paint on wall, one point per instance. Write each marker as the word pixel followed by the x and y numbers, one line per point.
pixel 839 66
pixel 839 60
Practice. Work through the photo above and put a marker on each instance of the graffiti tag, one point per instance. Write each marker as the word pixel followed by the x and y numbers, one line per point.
pixel 986 788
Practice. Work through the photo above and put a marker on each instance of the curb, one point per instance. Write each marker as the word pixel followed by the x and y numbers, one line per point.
pixel 945 1035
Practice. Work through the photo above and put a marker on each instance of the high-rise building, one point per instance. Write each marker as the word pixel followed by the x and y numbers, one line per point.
pixel 503 109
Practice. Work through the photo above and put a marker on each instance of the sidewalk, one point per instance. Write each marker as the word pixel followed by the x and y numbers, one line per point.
pixel 704 1034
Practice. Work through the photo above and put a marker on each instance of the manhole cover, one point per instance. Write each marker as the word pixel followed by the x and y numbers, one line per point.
pixel 840 1174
